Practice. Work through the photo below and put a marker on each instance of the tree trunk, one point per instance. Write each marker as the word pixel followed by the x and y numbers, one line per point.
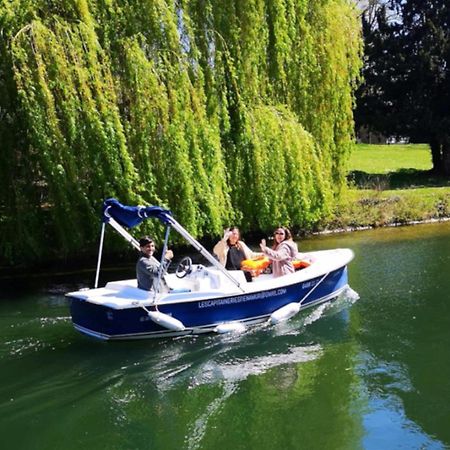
pixel 446 158
pixel 436 156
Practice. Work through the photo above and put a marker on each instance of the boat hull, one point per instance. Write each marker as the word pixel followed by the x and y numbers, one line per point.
pixel 203 315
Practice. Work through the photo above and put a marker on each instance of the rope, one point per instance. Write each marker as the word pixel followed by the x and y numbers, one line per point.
pixel 314 287
pixel 146 310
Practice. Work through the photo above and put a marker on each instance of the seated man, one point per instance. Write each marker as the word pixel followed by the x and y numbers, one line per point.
pixel 148 266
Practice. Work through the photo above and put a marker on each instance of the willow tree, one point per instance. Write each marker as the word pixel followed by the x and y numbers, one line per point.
pixel 271 56
pixel 221 111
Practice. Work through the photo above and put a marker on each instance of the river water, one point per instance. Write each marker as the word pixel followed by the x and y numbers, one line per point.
pixel 367 373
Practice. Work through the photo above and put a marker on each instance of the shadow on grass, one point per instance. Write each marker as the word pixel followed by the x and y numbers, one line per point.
pixel 401 179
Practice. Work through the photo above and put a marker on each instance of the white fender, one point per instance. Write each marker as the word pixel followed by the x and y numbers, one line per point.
pixel 230 327
pixel 284 313
pixel 166 321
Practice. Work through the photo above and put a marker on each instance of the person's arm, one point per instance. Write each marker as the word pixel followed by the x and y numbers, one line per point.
pixel 153 262
pixel 152 265
pixel 277 255
pixel 249 254
pixel 221 248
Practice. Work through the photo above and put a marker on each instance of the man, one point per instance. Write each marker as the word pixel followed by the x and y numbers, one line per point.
pixel 148 266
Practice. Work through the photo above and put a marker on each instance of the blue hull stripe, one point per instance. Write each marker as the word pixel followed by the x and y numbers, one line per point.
pixel 199 316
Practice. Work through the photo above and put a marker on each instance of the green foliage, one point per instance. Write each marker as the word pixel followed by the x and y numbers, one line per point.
pixel 221 111
pixel 281 149
pixel 407 78
pixel 390 186
pixel 372 208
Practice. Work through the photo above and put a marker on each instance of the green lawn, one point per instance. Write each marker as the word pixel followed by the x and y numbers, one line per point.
pixel 381 159
pixel 391 184
pixel 395 166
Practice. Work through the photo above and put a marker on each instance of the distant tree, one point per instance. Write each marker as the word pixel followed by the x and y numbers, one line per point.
pixel 372 110
pixel 407 74
pixel 370 9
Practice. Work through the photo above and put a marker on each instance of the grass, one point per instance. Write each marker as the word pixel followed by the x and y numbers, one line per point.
pixel 396 166
pixel 379 159
pixel 391 184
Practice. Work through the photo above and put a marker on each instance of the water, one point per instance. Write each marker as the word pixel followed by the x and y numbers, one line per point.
pixel 357 374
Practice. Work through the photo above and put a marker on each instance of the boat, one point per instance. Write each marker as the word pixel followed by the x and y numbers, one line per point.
pixel 198 298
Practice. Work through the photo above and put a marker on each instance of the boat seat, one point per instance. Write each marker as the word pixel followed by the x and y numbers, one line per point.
pixel 203 278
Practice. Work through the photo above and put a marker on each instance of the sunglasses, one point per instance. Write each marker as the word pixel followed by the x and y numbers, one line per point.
pixel 279 232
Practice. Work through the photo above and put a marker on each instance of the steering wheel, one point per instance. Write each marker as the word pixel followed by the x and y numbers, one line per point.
pixel 184 267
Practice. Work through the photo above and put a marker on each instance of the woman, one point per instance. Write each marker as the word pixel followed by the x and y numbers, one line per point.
pixel 283 252
pixel 231 251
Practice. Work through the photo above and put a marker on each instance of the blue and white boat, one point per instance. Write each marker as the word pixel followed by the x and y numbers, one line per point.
pixel 198 298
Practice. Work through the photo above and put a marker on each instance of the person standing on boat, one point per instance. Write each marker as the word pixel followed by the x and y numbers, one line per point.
pixel 231 251
pixel 282 253
pixel 148 266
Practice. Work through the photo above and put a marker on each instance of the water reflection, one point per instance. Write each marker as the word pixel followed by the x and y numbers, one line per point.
pixel 230 372
pixel 403 328
pixel 209 371
pixel 366 374
pixel 236 370
pixel 198 429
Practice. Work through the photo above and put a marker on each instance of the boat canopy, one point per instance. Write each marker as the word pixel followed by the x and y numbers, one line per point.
pixel 130 216
pixel 119 216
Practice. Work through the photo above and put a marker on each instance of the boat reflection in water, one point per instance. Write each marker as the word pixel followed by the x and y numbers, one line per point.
pixel 217 371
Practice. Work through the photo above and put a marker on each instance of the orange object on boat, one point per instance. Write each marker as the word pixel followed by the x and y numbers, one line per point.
pixel 300 264
pixel 255 265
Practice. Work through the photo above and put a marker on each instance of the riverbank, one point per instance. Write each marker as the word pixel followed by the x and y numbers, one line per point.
pixel 390 185
pixel 372 209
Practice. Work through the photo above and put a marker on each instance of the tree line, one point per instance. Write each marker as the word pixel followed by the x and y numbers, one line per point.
pixel 223 111
pixel 406 89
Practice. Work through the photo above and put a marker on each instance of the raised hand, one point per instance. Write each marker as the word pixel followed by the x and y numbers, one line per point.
pixel 226 234
pixel 263 244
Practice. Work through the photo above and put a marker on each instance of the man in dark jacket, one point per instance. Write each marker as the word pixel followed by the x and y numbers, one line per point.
pixel 148 266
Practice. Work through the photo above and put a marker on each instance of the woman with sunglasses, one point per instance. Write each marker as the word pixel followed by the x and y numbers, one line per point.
pixel 282 253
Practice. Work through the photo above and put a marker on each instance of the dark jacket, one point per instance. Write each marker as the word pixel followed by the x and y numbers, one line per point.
pixel 146 271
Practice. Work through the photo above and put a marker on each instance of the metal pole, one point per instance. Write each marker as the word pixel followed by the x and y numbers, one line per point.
pixel 199 247
pixel 162 267
pixel 127 236
pixel 100 251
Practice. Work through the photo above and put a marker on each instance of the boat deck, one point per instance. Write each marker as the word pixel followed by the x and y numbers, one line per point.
pixel 208 283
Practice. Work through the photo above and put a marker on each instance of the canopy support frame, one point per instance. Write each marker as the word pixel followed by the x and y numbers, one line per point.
pixel 202 250
pixel 100 252
pixel 162 266
pixel 186 235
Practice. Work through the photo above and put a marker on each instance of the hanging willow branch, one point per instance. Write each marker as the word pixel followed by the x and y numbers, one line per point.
pixel 221 111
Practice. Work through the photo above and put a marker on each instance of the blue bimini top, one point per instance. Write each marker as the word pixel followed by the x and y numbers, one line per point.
pixel 130 216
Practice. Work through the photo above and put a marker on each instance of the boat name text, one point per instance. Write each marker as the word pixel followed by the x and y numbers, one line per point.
pixel 309 284
pixel 241 298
